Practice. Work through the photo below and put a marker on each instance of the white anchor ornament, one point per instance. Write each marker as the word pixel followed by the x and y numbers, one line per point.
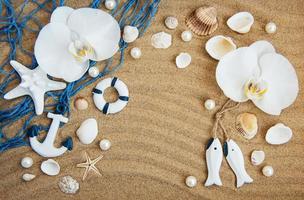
pixel 46 148
pixel 214 157
pixel 235 160
pixel 33 83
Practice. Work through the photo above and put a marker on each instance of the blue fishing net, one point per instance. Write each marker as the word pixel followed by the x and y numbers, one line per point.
pixel 20 23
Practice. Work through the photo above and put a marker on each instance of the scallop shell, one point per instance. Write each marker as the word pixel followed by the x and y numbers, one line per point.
pixel 68 185
pixel 247 125
pixel 278 134
pixel 88 130
pixel 219 45
pixel 161 40
pixel 171 22
pixel 81 103
pixel 28 177
pixel 183 60
pixel 203 21
pixel 257 157
pixel 241 22
pixel 50 167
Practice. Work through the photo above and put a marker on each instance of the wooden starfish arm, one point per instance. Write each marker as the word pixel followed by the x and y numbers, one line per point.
pixel 16 92
pixel 55 85
pixel 21 69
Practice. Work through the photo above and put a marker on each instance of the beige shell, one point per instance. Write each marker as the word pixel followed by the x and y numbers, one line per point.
pixel 203 21
pixel 247 125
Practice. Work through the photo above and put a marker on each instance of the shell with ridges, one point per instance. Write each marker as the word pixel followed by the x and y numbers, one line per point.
pixel 247 125
pixel 203 21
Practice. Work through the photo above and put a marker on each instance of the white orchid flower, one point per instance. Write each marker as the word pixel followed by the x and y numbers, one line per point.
pixel 259 74
pixel 72 38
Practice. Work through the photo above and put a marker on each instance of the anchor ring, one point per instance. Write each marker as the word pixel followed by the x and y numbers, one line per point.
pixel 117 106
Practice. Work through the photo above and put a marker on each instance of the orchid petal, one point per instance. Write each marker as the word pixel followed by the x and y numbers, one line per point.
pixel 61 14
pixel 262 47
pixel 98 28
pixel 282 83
pixel 234 70
pixel 52 55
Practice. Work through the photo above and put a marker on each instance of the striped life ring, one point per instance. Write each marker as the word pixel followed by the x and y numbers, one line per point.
pixel 117 106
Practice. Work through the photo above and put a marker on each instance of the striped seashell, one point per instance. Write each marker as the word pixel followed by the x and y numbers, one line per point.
pixel 247 125
pixel 203 21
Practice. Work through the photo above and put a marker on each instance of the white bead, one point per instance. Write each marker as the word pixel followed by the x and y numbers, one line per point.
pixel 26 162
pixel 135 52
pixel 186 36
pixel 191 181
pixel 105 144
pixel 209 104
pixel 110 4
pixel 267 171
pixel 271 27
pixel 93 72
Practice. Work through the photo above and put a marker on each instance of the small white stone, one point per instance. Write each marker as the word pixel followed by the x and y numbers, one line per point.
pixel 130 34
pixel 135 52
pixel 88 131
pixel 110 4
pixel 183 60
pixel 271 27
pixel 186 36
pixel 26 162
pixel 161 40
pixel 209 104
pixel 28 177
pixel 93 72
pixel 191 181
pixel 267 171
pixel 171 22
pixel 68 185
pixel 105 144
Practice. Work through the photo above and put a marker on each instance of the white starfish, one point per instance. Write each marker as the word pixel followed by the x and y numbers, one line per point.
pixel 90 165
pixel 33 83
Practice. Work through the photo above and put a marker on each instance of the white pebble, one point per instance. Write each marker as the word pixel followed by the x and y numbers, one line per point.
pixel 268 171
pixel 209 104
pixel 28 177
pixel 135 52
pixel 110 4
pixel 105 144
pixel 171 22
pixel 26 162
pixel 186 36
pixel 271 27
pixel 93 72
pixel 191 181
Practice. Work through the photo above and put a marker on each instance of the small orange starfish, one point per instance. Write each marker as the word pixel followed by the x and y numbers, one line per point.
pixel 90 165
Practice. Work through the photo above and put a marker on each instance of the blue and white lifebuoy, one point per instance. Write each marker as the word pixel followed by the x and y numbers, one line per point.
pixel 117 106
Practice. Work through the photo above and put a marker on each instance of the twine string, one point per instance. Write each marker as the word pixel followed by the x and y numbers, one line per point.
pixel 218 123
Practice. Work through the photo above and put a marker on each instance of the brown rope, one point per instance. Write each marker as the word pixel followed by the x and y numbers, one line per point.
pixel 219 115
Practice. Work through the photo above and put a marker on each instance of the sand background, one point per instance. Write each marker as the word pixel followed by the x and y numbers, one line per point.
pixel 159 138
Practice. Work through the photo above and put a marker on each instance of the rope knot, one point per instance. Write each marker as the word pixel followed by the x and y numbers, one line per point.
pixel 61 108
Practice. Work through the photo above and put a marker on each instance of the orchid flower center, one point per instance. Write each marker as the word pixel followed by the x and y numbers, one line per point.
pixel 81 50
pixel 255 89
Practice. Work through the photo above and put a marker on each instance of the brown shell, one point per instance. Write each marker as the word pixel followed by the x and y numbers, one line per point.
pixel 247 125
pixel 202 21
